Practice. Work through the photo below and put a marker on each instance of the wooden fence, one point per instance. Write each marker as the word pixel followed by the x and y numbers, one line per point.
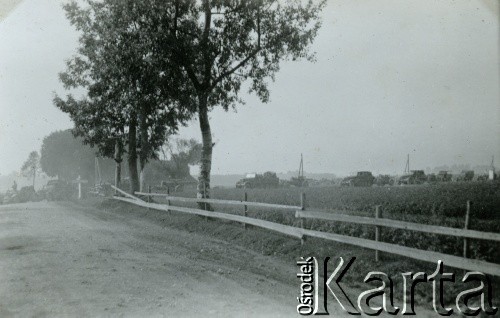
pixel 335 215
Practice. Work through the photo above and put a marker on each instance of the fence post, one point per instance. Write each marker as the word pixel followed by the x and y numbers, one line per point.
pixel 204 197
pixel 168 201
pixel 246 209
pixel 466 240
pixel 149 196
pixel 377 232
pixel 204 194
pixel 302 221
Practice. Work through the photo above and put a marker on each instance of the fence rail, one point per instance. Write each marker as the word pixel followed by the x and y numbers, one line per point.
pixel 301 232
pixel 285 229
pixel 217 201
pixel 426 228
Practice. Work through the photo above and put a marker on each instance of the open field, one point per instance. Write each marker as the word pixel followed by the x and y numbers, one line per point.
pixel 440 204
pixel 289 249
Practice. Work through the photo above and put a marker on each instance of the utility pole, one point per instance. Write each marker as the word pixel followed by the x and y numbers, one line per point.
pixel 407 167
pixel 301 167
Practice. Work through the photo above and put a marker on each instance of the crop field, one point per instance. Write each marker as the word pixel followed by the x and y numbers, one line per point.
pixel 439 204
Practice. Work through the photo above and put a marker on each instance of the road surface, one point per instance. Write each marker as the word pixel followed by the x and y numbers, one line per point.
pixel 62 259
pixel 68 260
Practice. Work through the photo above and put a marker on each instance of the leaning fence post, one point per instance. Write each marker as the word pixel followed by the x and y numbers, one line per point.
pixel 302 208
pixel 377 231
pixel 246 210
pixel 466 240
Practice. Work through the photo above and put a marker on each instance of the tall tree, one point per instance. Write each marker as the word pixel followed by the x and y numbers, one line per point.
pixel 183 50
pixel 31 166
pixel 175 157
pixel 179 154
pixel 221 44
pixel 128 102
pixel 66 157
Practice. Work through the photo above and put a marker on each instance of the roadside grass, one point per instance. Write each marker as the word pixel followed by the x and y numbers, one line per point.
pixel 290 250
pixel 437 204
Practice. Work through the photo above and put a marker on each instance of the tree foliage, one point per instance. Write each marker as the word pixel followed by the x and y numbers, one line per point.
pixel 181 153
pixel 31 167
pixel 127 100
pixel 160 61
pixel 66 157
pixel 219 45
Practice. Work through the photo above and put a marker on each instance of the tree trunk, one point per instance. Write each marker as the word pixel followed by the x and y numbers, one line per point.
pixel 132 157
pixel 141 178
pixel 118 161
pixel 206 152
pixel 144 153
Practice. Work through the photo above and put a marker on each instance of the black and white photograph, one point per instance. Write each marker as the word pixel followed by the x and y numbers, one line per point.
pixel 249 158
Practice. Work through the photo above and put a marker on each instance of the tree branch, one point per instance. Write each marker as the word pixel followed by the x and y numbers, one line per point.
pixel 187 66
pixel 245 60
pixel 204 44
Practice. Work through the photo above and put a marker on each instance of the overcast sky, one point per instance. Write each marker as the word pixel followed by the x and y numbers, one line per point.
pixel 391 78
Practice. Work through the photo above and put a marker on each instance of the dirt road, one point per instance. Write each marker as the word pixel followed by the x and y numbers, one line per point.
pixel 61 259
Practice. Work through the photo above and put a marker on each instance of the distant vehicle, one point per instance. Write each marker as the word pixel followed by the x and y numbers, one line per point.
pixel 466 175
pixel 416 177
pixel 482 177
pixel 57 190
pixel 361 179
pixel 443 176
pixel 253 180
pixel 384 179
pixel 490 176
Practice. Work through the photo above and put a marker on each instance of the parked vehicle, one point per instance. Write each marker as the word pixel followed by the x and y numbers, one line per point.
pixel 443 176
pixel 466 175
pixel 416 177
pixel 361 179
pixel 253 180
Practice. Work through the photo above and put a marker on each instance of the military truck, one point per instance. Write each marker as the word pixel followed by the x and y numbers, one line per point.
pixel 416 177
pixel 361 179
pixel 466 175
pixel 443 176
pixel 254 180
